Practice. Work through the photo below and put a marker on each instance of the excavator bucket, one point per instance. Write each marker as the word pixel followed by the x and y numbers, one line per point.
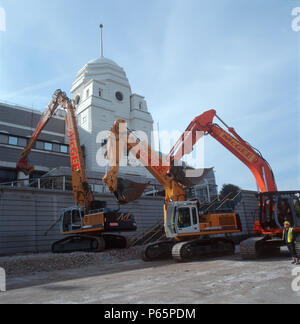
pixel 129 191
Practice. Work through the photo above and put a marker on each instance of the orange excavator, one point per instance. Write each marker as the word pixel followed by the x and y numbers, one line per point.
pixel 274 207
pixel 89 225
pixel 190 234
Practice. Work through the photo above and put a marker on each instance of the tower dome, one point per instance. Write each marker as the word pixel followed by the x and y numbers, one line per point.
pixel 103 60
pixel 101 69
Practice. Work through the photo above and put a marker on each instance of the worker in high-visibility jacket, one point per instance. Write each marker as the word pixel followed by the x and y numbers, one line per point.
pixel 289 237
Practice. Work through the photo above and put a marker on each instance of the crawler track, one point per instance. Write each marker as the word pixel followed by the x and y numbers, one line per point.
pixel 86 243
pixel 197 249
pixel 158 251
pixel 298 249
pixel 256 247
pixel 188 250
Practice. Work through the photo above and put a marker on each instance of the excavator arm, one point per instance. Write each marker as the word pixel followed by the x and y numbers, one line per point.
pixel 82 194
pixel 23 164
pixel 232 141
pixel 122 139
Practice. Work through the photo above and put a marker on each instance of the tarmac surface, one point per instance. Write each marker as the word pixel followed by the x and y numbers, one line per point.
pixel 219 280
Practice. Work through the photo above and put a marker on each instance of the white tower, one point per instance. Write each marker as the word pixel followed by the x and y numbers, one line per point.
pixel 105 96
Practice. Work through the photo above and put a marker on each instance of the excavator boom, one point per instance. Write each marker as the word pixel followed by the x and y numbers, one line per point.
pixel 23 164
pixel 232 141
pixel 82 194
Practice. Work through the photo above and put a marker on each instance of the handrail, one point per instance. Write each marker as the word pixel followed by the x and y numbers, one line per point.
pixel 227 199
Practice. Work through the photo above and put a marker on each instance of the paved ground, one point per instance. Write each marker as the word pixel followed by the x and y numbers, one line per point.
pixel 222 280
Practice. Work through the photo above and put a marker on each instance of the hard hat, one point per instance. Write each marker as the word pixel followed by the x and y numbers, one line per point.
pixel 287 223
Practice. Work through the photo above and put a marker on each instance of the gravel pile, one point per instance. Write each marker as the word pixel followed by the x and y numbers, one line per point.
pixel 47 262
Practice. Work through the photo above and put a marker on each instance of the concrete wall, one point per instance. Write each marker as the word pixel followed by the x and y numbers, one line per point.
pixel 26 214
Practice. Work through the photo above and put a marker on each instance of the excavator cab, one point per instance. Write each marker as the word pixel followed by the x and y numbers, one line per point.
pixel 71 219
pixel 184 220
pixel 278 207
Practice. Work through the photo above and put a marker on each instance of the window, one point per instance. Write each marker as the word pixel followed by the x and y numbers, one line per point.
pixel 67 219
pixel 87 93
pixel 3 139
pixel 119 96
pixel 297 207
pixel 84 119
pixel 48 146
pixel 184 219
pixel 98 188
pixel 13 141
pixel 195 218
pixel 100 93
pixel 39 145
pixel 7 175
pixel 76 218
pixel 23 142
pixel 64 149
pixel 140 106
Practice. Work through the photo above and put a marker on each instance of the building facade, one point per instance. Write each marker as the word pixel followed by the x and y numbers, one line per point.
pixel 17 124
pixel 207 190
pixel 104 95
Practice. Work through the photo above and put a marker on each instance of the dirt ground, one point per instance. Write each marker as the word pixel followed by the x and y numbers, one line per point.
pixel 111 278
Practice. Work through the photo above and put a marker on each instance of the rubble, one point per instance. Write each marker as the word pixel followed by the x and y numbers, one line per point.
pixel 48 262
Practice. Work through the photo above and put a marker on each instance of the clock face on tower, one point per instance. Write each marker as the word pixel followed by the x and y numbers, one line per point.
pixel 119 96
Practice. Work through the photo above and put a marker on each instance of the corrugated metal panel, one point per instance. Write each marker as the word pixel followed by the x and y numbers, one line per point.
pixel 26 214
pixel 248 211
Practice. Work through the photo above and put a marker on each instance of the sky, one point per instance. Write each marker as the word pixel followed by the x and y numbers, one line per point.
pixel 238 57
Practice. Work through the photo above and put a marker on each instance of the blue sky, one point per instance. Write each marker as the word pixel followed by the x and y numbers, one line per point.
pixel 239 57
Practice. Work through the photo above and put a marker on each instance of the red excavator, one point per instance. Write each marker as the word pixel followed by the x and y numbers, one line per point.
pixel 89 225
pixel 275 206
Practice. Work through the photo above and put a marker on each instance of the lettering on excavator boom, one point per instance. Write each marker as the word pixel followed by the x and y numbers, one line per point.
pixel 236 145
pixel 74 152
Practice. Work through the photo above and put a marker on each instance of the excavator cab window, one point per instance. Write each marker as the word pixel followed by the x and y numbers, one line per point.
pixel 268 211
pixel 195 216
pixel 76 219
pixel 296 203
pixel 284 211
pixel 184 218
pixel 67 220
pixel 72 220
pixel 170 227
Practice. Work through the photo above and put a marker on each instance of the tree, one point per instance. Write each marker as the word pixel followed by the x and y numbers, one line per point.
pixel 229 189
